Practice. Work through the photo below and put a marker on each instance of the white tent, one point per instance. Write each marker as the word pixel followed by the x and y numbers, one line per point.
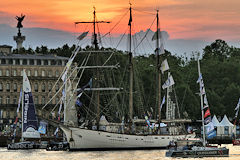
pixel 215 121
pixel 226 127
pixel 226 122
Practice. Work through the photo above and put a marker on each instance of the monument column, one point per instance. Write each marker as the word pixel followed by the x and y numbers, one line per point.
pixel 19 38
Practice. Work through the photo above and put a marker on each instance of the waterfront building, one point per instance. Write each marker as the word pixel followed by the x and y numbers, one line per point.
pixel 42 70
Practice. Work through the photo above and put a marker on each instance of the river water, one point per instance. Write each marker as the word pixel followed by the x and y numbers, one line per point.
pixel 100 155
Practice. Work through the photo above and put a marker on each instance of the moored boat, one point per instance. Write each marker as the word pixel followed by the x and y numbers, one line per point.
pixel 195 151
pixel 131 134
pixel 29 119
pixel 23 145
pixel 198 152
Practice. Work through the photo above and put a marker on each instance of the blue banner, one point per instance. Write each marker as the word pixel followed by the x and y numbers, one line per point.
pixel 42 127
pixel 29 113
pixel 211 134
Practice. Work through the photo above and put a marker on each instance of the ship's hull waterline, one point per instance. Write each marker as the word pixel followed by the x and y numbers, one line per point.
pixel 84 139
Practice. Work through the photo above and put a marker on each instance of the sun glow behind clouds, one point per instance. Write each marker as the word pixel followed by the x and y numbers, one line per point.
pixel 185 19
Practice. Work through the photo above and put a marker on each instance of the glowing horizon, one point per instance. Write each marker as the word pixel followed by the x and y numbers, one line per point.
pixel 182 19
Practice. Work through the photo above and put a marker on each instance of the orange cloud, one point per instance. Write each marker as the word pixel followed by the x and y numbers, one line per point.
pixel 185 19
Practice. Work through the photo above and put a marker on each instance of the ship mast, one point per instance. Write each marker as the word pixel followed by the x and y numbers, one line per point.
pixel 158 72
pixel 201 97
pixel 95 44
pixel 94 22
pixel 130 67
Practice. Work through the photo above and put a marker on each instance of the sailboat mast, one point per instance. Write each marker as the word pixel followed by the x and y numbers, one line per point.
pixel 158 72
pixel 130 67
pixel 201 97
pixel 22 107
pixel 95 43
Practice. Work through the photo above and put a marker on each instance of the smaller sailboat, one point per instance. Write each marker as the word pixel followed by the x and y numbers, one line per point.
pixel 29 119
pixel 201 150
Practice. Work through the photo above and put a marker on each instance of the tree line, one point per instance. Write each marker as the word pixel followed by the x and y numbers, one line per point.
pixel 220 67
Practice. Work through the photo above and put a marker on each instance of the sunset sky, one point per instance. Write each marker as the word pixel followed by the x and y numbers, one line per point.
pixel 182 19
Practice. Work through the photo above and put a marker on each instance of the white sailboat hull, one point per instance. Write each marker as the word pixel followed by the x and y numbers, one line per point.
pixel 89 139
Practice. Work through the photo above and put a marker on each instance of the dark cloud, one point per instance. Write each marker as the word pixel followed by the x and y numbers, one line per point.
pixel 56 38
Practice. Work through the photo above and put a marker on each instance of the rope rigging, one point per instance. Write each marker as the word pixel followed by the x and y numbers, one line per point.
pixel 145 34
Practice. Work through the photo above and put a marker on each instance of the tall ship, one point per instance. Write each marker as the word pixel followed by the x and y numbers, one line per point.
pixel 107 123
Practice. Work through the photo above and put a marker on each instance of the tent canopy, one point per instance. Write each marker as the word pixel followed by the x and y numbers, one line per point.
pixel 226 122
pixel 215 121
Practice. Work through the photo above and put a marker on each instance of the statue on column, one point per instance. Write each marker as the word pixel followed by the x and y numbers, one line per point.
pixel 19 24
pixel 19 38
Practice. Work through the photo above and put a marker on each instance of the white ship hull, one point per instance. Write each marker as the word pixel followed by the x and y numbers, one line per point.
pixel 89 139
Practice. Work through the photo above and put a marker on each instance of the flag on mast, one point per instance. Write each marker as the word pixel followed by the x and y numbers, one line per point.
pixel 237 107
pixel 207 113
pixel 199 78
pixel 163 101
pixel 82 36
pixel 19 100
pixel 164 66
pixel 168 83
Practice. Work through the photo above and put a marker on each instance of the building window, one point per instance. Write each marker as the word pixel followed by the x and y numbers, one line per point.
pixel 36 87
pixel 15 100
pixel 36 100
pixel 31 61
pixel 8 114
pixel 29 72
pixel 46 62
pixel 59 62
pixel 43 100
pixel 0 72
pixel 53 62
pixel 49 87
pixel 57 99
pixel 15 87
pixel 50 102
pixel 14 73
pixel 8 87
pixel 1 87
pixel 43 87
pixel 57 87
pixel 8 100
pixel 24 62
pixel 17 61
pixel 50 73
pixel 10 61
pixel 43 73
pixel 3 61
pixel 35 73
pixel 38 62
pixel 7 72
pixel 57 73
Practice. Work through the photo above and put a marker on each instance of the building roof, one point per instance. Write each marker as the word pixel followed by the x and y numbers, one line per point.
pixel 5 46
pixel 32 56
